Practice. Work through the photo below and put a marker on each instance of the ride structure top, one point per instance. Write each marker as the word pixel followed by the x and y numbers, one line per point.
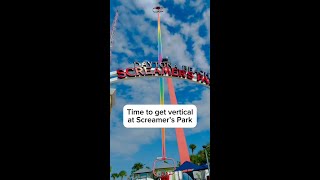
pixel 157 9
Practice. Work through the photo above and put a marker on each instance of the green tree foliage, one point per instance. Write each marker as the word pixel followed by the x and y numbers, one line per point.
pixel 122 174
pixel 114 176
pixel 200 157
pixel 136 167
pixel 196 159
pixel 192 147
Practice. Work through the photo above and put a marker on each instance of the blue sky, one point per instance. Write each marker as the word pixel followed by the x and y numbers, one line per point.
pixel 185 27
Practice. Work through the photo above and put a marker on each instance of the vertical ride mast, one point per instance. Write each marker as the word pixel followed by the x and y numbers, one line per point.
pixel 181 139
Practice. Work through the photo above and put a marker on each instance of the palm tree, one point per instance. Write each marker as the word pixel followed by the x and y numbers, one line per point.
pixel 114 176
pixel 192 147
pixel 122 174
pixel 202 157
pixel 137 166
pixel 196 159
pixel 110 169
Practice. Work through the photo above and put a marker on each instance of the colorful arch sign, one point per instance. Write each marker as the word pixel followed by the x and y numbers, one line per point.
pixel 164 69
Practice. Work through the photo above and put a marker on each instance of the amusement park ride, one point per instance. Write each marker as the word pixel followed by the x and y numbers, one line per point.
pixel 181 139
pixel 163 175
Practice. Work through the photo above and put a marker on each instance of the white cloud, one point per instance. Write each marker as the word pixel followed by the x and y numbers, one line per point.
pixel 199 58
pixel 128 141
pixel 179 1
pixel 197 4
pixel 126 6
pixel 203 107
pixel 121 45
pixel 139 91
pixel 175 48
pixel 167 19
pixel 206 20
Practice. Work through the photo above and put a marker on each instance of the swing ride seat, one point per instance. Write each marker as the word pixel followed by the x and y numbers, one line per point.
pixel 163 174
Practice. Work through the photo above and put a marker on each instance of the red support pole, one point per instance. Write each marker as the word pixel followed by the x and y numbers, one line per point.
pixel 181 138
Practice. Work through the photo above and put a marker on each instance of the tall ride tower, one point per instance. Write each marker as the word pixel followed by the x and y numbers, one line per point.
pixel 181 138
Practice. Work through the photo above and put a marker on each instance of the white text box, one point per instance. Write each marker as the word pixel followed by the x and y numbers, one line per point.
pixel 160 116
